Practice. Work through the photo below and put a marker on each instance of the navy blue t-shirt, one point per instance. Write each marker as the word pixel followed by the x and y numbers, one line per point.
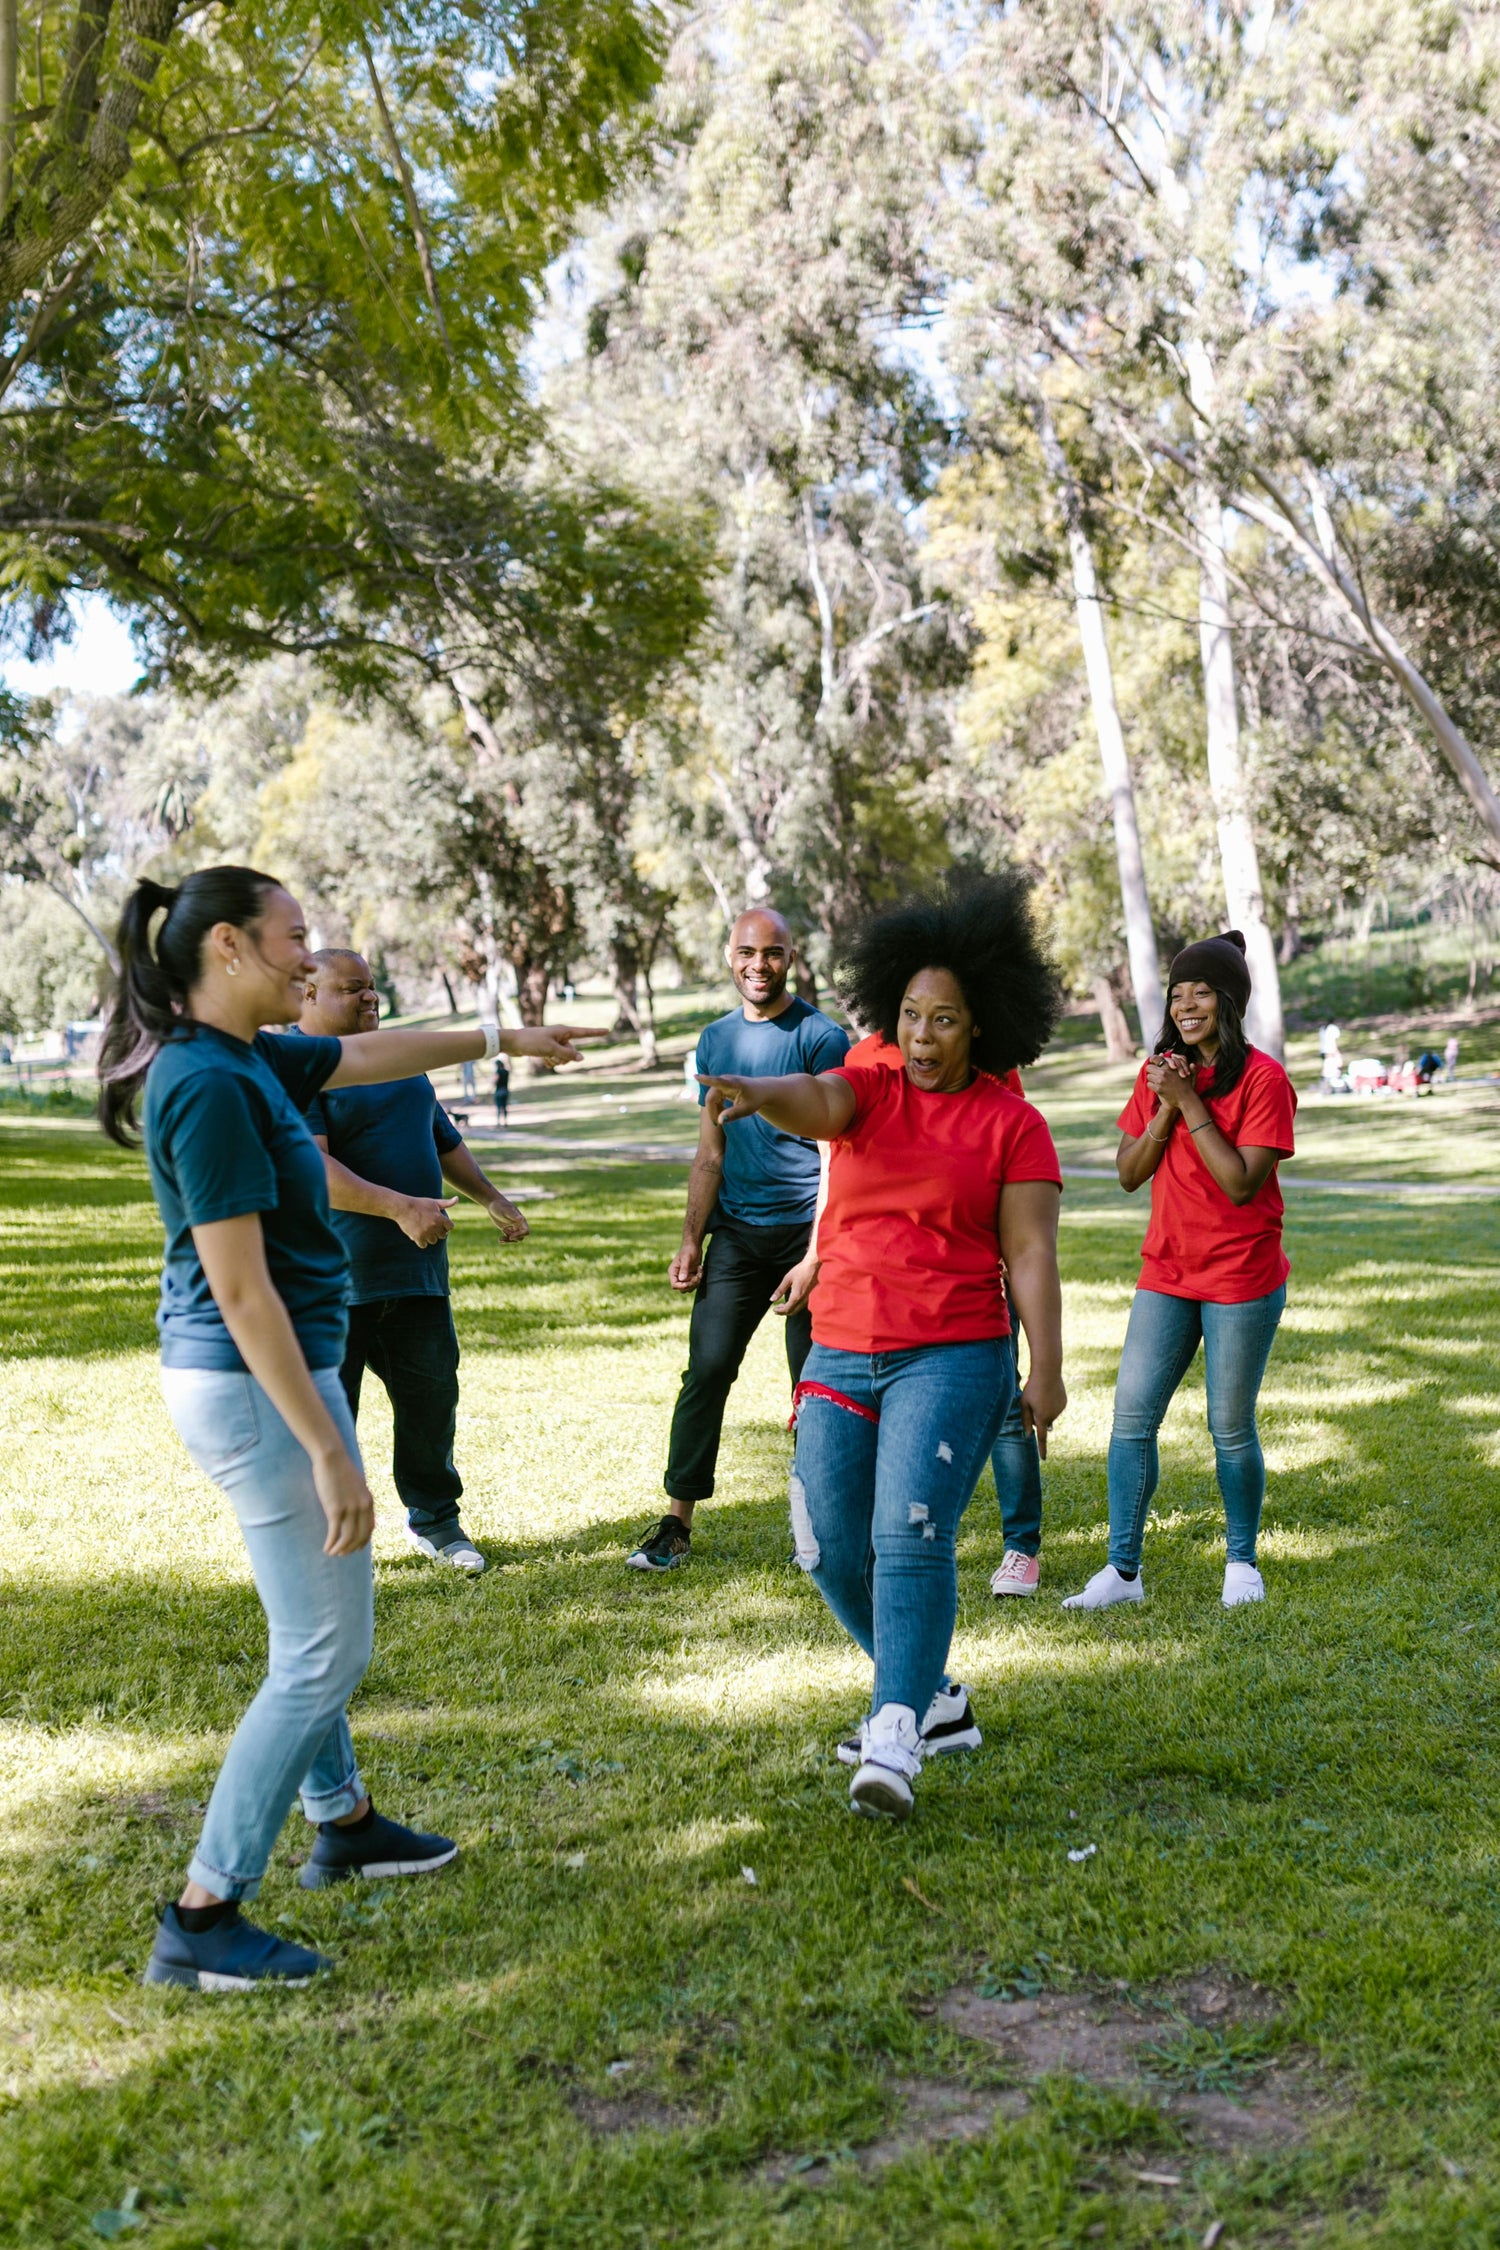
pixel 395 1135
pixel 770 1177
pixel 225 1136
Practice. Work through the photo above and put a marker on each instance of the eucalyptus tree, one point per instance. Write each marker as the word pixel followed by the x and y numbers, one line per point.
pixel 750 357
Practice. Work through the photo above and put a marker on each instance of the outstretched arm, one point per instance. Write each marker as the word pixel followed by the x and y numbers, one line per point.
pixel 370 1058
pixel 818 1109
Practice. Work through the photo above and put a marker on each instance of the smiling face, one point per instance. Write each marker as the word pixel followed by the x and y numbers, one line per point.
pixel 341 997
pixel 760 959
pixel 935 1032
pixel 1195 1011
pixel 271 957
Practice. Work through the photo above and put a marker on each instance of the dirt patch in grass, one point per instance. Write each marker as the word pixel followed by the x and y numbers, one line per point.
pixel 933 2111
pixel 1199 2051
pixel 608 2114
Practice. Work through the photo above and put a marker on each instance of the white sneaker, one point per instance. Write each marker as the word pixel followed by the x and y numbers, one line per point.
pixel 460 1553
pixel 1242 1583
pixel 949 1724
pixel 891 1759
pixel 1107 1587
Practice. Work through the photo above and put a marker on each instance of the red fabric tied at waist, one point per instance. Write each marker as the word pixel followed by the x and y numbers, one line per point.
pixel 834 1398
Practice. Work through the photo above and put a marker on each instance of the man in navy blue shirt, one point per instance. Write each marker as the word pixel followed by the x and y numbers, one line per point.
pixel 389 1151
pixel 754 1192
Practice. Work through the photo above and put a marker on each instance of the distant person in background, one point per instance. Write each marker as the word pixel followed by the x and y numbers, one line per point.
pixel 752 1198
pixel 1015 1460
pixel 469 1082
pixel 1450 1059
pixel 1208 1123
pixel 389 1150
pixel 502 1091
pixel 253 1320
pixel 1329 1046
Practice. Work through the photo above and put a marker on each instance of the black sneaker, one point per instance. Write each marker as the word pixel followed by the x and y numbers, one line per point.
pixel 232 1956
pixel 948 1725
pixel 377 1849
pixel 669 1544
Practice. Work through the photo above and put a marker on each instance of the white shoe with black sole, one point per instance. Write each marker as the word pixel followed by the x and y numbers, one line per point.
pixel 890 1760
pixel 949 1725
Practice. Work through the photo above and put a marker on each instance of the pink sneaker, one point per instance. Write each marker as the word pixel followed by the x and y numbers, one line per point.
pixel 1018 1574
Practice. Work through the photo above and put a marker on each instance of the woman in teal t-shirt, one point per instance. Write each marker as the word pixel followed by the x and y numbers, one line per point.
pixel 252 1325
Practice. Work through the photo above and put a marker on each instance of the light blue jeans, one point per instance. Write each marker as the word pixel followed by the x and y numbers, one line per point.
pixel 320 1610
pixel 1160 1344
pixel 889 1445
pixel 1018 1467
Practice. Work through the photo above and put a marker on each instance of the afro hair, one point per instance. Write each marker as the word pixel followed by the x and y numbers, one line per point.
pixel 982 930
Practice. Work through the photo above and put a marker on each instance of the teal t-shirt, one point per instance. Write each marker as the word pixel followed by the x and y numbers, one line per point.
pixel 225 1136
pixel 770 1178
pixel 396 1135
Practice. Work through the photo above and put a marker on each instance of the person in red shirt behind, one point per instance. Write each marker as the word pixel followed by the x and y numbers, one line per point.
pixel 1208 1122
pixel 937 1174
pixel 1014 1458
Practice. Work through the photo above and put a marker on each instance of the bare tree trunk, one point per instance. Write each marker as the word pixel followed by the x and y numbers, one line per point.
pixel 452 996
pixel 1291 928
pixel 1244 892
pixel 531 992
pixel 805 981
pixel 1118 1044
pixel 1140 934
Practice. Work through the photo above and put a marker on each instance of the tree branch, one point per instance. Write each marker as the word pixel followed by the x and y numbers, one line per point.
pixel 409 190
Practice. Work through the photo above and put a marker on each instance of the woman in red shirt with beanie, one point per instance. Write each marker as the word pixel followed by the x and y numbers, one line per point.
pixel 1208 1122
pixel 938 1173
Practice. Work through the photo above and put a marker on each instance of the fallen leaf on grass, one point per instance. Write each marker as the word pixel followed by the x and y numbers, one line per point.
pixel 1160 2179
pixel 1211 2239
pixel 576 1860
pixel 908 1884
pixel 116 2017
pixel 617 2069
pixel 750 1877
pixel 1087 1852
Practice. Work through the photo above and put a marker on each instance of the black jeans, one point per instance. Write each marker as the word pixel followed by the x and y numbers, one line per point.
pixel 742 1267
pixel 411 1345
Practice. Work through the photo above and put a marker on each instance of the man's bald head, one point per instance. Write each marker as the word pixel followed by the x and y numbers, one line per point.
pixel 761 956
pixel 340 997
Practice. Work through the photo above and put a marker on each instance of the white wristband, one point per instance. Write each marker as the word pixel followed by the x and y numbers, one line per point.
pixel 491 1040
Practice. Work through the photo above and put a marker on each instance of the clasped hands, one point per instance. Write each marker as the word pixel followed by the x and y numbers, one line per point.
pixel 1170 1078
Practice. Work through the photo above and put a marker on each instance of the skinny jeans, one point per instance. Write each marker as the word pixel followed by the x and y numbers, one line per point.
pixel 1017 1466
pixel 1161 1343
pixel 889 1446
pixel 320 1610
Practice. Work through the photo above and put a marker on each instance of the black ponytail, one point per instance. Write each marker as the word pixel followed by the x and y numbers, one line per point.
pixel 150 998
pixel 1234 1048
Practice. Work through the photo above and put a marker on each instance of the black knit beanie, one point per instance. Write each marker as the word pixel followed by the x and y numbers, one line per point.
pixel 1219 961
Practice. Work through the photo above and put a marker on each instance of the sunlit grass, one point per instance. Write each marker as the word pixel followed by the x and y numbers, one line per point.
pixel 1306 1794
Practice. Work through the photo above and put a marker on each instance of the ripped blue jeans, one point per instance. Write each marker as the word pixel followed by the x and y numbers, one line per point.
pixel 889 1446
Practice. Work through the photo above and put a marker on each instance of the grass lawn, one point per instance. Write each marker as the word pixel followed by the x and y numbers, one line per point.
pixel 597 2030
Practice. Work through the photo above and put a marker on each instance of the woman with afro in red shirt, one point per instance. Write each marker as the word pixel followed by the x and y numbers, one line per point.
pixel 1207 1125
pixel 939 1174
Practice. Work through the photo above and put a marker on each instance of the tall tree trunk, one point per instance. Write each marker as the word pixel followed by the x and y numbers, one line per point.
pixel 804 980
pixel 1140 934
pixel 531 991
pixel 1118 1044
pixel 1291 929
pixel 1244 892
pixel 10 47
pixel 627 972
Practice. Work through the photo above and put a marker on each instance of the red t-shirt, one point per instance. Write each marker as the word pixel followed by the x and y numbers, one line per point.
pixel 1199 1244
pixel 910 1240
pixel 873 1049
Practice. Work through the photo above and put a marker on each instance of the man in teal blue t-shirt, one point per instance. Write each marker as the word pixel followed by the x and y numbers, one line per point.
pixel 754 1191
pixel 390 1150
